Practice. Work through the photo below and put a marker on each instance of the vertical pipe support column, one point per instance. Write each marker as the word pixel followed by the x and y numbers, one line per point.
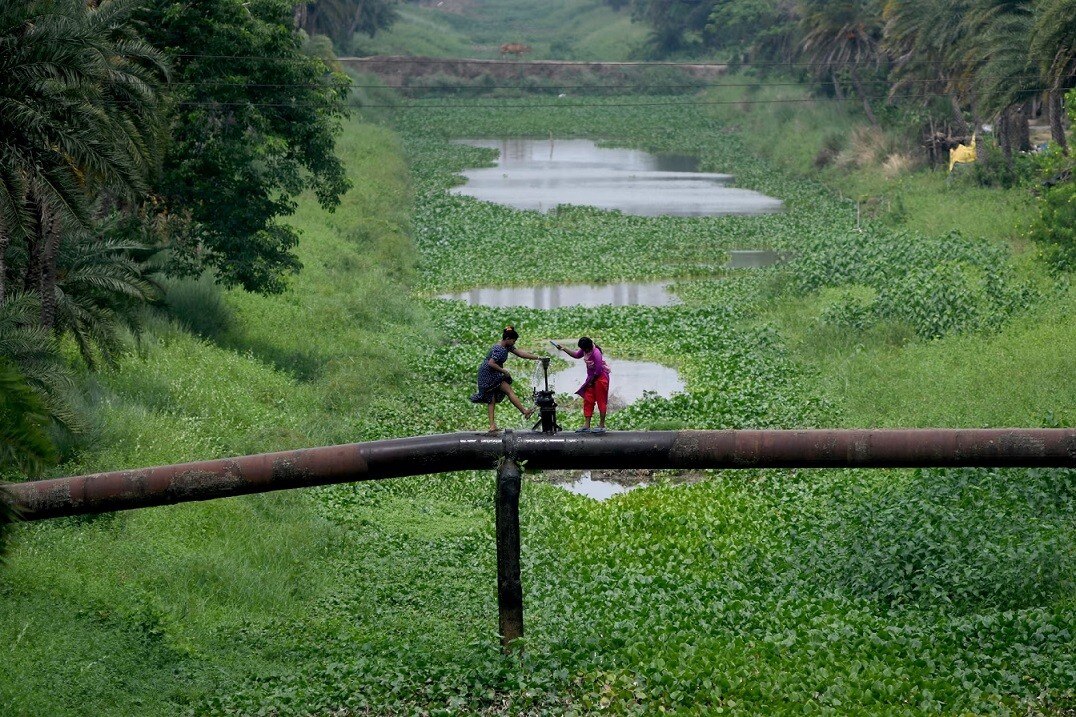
pixel 509 582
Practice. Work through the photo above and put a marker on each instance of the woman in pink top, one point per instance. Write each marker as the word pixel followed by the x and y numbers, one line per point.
pixel 595 390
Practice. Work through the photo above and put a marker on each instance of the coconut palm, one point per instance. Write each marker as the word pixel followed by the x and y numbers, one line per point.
pixel 925 38
pixel 77 101
pixel 1006 78
pixel 843 35
pixel 1053 46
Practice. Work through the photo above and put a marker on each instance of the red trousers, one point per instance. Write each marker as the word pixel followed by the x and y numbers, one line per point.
pixel 596 393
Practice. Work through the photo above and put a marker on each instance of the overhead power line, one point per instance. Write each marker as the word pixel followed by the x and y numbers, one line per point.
pixel 611 86
pixel 436 105
pixel 729 65
pixel 688 103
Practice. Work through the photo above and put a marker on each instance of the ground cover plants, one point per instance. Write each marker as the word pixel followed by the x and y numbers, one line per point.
pixel 778 592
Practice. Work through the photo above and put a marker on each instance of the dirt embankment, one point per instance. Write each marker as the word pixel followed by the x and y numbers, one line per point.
pixel 397 69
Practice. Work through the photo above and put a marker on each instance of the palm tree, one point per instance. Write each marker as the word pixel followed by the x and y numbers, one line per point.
pixel 102 286
pixel 843 35
pixel 926 39
pixel 77 102
pixel 33 350
pixel 25 444
pixel 1053 45
pixel 1006 77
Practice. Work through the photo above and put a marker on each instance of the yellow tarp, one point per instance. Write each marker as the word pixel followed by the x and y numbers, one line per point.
pixel 962 154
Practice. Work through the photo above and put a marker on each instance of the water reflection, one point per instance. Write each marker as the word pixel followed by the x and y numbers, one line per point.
pixel 585 485
pixel 582 154
pixel 560 295
pixel 542 174
pixel 628 380
pixel 753 258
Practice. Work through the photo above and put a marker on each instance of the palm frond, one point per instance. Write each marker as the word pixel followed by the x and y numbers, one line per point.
pixel 1053 41
pixel 25 444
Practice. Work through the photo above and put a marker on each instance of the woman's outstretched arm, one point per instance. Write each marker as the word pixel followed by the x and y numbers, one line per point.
pixel 525 354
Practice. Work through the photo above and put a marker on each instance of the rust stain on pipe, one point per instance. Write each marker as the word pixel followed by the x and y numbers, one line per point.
pixel 422 455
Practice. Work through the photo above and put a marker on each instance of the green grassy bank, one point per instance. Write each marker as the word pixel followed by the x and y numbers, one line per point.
pixel 145 612
pixel 555 30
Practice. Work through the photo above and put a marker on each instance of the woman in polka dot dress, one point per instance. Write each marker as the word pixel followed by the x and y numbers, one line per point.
pixel 494 381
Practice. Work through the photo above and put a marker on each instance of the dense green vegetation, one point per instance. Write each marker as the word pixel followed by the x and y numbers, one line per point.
pixel 848 591
pixel 84 602
pixel 340 20
pixel 776 592
pixel 930 75
pixel 984 57
pixel 142 141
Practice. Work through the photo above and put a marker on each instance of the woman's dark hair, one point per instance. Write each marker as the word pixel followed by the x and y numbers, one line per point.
pixel 509 333
pixel 587 344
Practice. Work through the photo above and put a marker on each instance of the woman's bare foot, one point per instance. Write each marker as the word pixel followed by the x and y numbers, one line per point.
pixel 494 429
pixel 529 412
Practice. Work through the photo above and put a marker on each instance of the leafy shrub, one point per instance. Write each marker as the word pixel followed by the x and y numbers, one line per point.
pixel 938 285
pixel 992 169
pixel 936 300
pixel 852 307
pixel 1055 227
pixel 964 539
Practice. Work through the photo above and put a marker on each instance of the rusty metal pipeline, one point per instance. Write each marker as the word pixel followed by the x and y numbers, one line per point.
pixel 424 455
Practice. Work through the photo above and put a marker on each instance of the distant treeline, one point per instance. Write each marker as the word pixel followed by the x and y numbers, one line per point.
pixel 981 60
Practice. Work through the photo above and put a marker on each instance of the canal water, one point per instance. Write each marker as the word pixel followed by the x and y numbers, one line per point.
pixel 561 295
pixel 586 485
pixel 629 381
pixel 542 174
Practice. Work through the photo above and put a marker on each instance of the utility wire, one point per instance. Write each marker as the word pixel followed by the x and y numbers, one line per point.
pixel 434 104
pixel 730 65
pixel 624 86
pixel 690 103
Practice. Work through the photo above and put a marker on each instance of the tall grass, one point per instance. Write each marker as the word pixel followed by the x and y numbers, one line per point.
pixel 142 613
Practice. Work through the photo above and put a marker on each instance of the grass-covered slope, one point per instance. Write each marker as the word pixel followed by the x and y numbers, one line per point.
pixel 144 612
pixel 554 29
